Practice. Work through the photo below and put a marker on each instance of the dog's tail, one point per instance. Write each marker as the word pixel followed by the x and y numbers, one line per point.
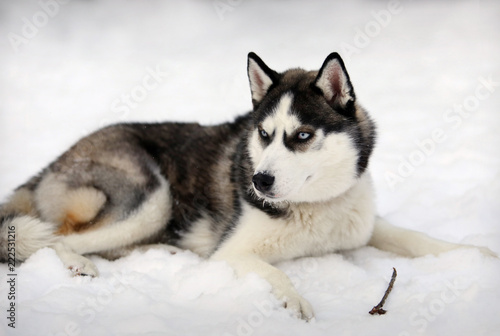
pixel 21 232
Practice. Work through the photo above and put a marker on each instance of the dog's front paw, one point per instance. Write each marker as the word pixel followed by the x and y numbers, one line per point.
pixel 486 251
pixel 300 307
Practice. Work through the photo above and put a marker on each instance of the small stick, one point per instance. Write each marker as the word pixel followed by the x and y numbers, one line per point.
pixel 378 308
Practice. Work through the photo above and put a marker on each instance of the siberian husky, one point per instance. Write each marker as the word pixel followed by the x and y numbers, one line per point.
pixel 288 179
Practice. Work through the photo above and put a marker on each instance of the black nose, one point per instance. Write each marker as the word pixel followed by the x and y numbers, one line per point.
pixel 263 182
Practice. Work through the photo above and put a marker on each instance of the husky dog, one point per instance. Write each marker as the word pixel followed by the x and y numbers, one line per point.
pixel 289 179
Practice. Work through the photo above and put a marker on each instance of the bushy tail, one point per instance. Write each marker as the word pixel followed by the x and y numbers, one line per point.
pixel 22 236
pixel 21 233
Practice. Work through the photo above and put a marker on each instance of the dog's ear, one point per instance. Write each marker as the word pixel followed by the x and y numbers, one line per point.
pixel 261 78
pixel 335 85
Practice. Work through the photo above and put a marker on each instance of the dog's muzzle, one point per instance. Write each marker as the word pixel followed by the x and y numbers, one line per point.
pixel 263 182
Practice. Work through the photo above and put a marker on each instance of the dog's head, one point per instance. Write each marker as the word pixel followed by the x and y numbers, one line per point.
pixel 311 140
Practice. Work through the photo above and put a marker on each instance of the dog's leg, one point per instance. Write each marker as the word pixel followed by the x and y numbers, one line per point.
pixel 146 221
pixel 411 243
pixel 75 262
pixel 125 251
pixel 283 288
pixel 254 244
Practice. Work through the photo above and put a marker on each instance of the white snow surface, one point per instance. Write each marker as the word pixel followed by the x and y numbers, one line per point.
pixel 429 73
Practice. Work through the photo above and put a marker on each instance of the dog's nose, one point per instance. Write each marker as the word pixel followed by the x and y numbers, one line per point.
pixel 263 182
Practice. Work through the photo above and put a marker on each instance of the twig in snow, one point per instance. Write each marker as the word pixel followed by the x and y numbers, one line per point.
pixel 378 308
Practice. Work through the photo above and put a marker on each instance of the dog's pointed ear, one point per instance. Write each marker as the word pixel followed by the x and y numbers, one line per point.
pixel 334 83
pixel 261 78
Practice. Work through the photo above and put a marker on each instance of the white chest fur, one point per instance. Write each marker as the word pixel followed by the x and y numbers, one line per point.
pixel 345 222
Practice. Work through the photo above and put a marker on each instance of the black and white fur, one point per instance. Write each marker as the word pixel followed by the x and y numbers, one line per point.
pixel 287 180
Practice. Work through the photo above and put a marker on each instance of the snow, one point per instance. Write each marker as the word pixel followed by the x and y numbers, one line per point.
pixel 427 71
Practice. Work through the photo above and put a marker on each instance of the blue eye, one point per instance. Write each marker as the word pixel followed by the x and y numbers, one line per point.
pixel 303 136
pixel 263 134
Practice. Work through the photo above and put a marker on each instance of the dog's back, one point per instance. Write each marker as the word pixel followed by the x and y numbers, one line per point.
pixel 110 190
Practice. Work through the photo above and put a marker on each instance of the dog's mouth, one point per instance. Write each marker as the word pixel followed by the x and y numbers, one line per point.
pixel 267 196
pixel 270 194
